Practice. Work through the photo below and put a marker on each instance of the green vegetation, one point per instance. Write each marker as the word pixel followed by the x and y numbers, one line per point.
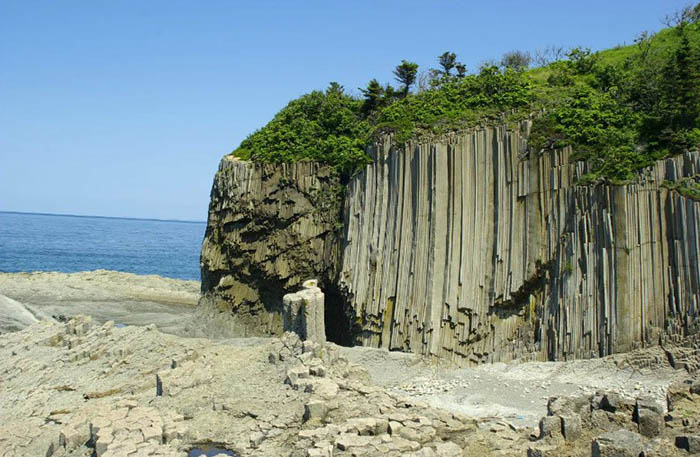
pixel 688 187
pixel 623 108
pixel 327 127
pixel 619 109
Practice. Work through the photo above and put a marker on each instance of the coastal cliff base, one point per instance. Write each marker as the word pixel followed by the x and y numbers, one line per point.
pixel 80 388
pixel 467 247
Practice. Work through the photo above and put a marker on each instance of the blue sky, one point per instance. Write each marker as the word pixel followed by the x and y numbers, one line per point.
pixel 124 108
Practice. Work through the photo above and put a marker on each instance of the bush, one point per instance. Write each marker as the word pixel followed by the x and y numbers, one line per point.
pixel 619 109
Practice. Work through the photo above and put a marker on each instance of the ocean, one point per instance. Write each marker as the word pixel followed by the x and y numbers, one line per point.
pixel 48 242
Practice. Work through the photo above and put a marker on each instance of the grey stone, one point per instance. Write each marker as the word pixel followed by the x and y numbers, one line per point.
pixel 610 402
pixel 650 404
pixel 548 451
pixel 303 313
pixel 448 449
pixel 600 419
pixel 315 410
pixel 651 423
pixel 317 370
pixel 620 443
pixel 550 426
pixel 571 426
pixel 557 406
pixel 690 443
pixel 658 447
pixel 695 388
pixel 348 440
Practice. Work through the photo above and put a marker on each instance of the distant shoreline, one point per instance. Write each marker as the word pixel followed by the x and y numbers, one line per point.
pixel 93 270
pixel 104 217
pixel 97 271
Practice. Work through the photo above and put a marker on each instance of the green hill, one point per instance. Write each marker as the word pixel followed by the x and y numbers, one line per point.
pixel 620 109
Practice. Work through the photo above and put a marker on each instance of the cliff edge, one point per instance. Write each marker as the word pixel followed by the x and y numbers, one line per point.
pixel 464 247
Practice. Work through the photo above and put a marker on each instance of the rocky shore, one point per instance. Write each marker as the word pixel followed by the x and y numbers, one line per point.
pixel 80 388
pixel 84 386
pixel 124 298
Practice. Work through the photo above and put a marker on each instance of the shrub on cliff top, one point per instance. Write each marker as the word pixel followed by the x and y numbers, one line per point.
pixel 324 127
pixel 619 109
pixel 334 128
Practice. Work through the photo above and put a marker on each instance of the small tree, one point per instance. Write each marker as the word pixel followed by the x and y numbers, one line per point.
pixel 548 55
pixel 335 89
pixel 461 70
pixel 405 73
pixel 682 17
pixel 390 94
pixel 448 61
pixel 516 60
pixel 373 96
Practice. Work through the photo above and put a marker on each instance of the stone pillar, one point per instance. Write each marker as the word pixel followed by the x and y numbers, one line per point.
pixel 303 313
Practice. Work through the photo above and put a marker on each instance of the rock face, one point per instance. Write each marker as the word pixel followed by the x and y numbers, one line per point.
pixel 270 228
pixel 471 249
pixel 465 247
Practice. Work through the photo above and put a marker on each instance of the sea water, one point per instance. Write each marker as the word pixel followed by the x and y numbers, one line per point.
pixel 48 242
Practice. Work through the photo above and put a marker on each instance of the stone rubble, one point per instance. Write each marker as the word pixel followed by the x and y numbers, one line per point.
pixel 76 389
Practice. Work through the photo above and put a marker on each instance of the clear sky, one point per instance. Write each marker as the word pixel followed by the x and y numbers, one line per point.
pixel 124 108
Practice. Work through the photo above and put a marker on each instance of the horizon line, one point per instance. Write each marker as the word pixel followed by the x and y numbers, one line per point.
pixel 105 217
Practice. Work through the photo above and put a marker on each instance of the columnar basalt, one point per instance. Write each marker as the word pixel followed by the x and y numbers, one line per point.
pixel 468 247
pixel 471 248
pixel 270 228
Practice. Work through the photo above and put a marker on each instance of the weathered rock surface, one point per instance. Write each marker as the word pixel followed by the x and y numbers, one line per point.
pixel 14 315
pixel 465 247
pixel 71 389
pixel 620 443
pixel 471 249
pixel 270 228
pixel 76 388
pixel 303 313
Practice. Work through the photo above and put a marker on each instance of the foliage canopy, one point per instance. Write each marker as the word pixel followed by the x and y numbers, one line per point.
pixel 619 109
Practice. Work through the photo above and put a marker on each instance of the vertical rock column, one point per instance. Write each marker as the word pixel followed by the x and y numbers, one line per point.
pixel 303 313
pixel 469 247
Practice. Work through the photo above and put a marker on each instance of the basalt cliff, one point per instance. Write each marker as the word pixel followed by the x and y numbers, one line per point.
pixel 467 247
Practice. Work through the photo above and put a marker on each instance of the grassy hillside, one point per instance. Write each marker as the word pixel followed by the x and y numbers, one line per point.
pixel 620 109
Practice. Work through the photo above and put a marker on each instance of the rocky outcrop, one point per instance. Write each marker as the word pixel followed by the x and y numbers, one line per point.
pixel 78 389
pixel 467 247
pixel 270 228
pixel 304 313
pixel 472 249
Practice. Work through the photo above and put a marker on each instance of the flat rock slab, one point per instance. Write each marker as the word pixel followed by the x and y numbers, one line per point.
pixel 125 298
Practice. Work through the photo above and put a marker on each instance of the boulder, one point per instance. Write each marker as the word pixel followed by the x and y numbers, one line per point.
pixel 550 426
pixel 695 388
pixel 315 410
pixel 650 423
pixel 611 402
pixel 571 426
pixel 690 443
pixel 649 417
pixel 658 447
pixel 620 443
